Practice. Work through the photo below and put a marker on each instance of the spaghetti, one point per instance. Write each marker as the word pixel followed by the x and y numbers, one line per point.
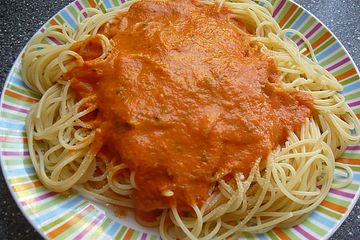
pixel 279 189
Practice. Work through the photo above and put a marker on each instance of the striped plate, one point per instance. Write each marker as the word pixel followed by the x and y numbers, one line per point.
pixel 72 217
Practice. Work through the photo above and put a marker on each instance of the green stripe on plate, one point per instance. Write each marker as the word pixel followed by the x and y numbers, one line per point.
pixel 329 213
pixel 152 237
pixel 64 217
pixel 59 19
pixel 134 235
pixel 315 228
pixel 353 187
pixel 14 116
pixel 12 162
pixel 291 234
pixel 23 91
pixel 350 80
pixel 350 154
pixel 338 201
pixel 286 8
pixel 36 208
pixel 102 8
pixel 272 235
pixel 356 111
pixel 318 35
pixel 304 27
pixel 75 227
pixel 344 68
pixel 249 236
pixel 347 98
pixel 73 12
pixel 12 133
pixel 293 18
pixel 324 45
pixel 115 3
pixel 17 101
pixel 14 145
pixel 85 3
pixel 332 58
pixel 101 229
pixel 120 233
pixel 28 178
pixel 36 190
pixel 355 168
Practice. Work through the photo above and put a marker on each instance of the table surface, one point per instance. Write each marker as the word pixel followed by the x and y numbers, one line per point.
pixel 20 20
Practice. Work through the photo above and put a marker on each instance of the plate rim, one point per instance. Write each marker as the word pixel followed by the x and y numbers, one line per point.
pixel 357 195
pixel 18 60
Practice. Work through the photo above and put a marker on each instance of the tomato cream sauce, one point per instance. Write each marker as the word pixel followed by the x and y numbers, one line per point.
pixel 184 98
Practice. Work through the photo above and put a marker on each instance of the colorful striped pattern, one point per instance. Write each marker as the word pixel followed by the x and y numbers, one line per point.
pixel 59 216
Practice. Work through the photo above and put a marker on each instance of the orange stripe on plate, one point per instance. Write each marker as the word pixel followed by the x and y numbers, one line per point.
pixel 334 206
pixel 25 186
pixel 129 234
pixel 19 96
pixel 322 39
pixel 358 115
pixel 354 161
pixel 281 234
pixel 346 74
pixel 92 3
pixel 62 228
pixel 12 139
pixel 29 201
pixel 288 15
pixel 53 22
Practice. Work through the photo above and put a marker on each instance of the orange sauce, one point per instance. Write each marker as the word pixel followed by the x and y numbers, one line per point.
pixel 183 99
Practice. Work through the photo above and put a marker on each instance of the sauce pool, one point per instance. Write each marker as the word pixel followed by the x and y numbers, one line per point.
pixel 184 99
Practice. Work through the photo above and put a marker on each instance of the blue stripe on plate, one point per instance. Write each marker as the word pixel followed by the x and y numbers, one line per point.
pixel 111 231
pixel 14 79
pixel 107 3
pixel 356 177
pixel 68 18
pixel 261 236
pixel 351 87
pixel 20 171
pixel 330 49
pixel 7 125
pixel 323 219
pixel 299 21
pixel 59 210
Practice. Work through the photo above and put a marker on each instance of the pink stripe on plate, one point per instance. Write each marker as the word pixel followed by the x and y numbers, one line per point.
pixel 55 41
pixel 78 5
pixel 342 193
pixel 38 198
pixel 12 153
pixel 89 227
pixel 277 10
pixel 345 60
pixel 353 147
pixel 17 109
pixel 308 35
pixel 353 104
pixel 143 236
pixel 304 233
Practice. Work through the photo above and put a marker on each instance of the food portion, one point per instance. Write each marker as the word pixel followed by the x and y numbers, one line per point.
pixel 183 99
pixel 204 118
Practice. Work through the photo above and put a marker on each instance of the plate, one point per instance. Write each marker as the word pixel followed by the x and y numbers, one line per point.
pixel 56 216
